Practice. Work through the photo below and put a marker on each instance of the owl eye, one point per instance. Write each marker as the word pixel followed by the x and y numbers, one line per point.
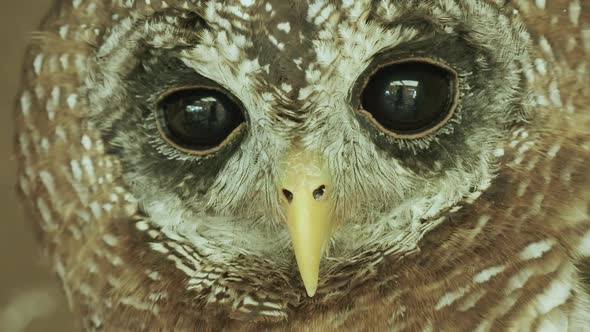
pixel 199 120
pixel 410 99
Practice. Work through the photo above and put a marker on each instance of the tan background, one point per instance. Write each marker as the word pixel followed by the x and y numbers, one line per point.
pixel 30 295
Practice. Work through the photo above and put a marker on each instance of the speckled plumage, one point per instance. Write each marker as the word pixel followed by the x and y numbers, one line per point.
pixel 483 225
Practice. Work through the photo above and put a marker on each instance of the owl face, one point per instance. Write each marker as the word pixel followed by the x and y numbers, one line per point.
pixel 402 107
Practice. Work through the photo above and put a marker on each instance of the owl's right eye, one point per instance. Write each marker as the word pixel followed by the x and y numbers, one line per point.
pixel 199 120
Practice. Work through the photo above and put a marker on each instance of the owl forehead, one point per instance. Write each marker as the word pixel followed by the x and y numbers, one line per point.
pixel 273 33
pixel 280 36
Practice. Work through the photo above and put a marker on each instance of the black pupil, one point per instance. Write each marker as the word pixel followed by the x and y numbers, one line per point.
pixel 409 97
pixel 200 118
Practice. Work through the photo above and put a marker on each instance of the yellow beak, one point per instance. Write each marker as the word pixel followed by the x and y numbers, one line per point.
pixel 307 204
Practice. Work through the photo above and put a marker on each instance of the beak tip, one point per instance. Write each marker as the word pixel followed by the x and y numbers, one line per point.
pixel 310 278
pixel 311 290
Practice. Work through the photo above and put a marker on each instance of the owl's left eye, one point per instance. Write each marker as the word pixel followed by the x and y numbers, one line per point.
pixel 410 99
pixel 199 120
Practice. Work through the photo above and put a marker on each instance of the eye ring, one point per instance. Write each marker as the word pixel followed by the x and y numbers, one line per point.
pixel 160 120
pixel 453 103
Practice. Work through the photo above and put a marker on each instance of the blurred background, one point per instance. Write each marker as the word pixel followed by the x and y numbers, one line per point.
pixel 30 295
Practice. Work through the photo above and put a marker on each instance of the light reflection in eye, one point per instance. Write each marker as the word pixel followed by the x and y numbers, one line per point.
pixel 205 111
pixel 400 91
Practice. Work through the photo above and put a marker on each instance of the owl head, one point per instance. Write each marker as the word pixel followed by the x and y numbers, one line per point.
pixel 265 150
pixel 331 129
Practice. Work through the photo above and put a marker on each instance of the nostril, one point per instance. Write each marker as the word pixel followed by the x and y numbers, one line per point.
pixel 288 195
pixel 319 192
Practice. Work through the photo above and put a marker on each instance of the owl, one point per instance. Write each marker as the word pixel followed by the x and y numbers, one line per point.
pixel 321 165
